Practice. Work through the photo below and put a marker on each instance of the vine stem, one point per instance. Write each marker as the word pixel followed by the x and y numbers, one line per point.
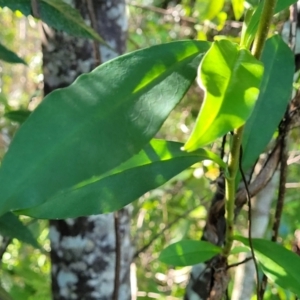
pixel 234 155
pixel 233 165
pixel 263 27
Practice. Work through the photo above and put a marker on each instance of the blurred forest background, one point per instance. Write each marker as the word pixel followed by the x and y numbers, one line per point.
pixel 173 212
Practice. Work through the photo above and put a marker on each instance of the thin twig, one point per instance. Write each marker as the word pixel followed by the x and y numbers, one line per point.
pixel 250 223
pixel 118 256
pixel 35 9
pixel 162 11
pixel 160 233
pixel 93 19
pixel 170 12
pixel 239 263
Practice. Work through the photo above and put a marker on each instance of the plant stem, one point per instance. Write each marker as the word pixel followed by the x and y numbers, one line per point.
pixel 233 163
pixel 263 27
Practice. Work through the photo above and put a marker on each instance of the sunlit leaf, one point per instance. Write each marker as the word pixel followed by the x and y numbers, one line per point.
pixel 278 263
pixel 57 14
pixel 230 78
pixel 9 56
pixel 152 167
pixel 188 253
pixel 101 120
pixel 12 227
pixel 238 8
pixel 208 9
pixel 273 99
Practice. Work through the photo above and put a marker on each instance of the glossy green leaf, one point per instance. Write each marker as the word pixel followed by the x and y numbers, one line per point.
pixel 152 167
pixel 19 116
pixel 188 253
pixel 208 9
pixel 57 14
pixel 9 56
pixel 278 263
pixel 238 8
pixel 12 227
pixel 230 78
pixel 273 99
pixel 253 24
pixel 101 120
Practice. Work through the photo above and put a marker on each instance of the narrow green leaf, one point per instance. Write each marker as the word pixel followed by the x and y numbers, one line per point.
pixel 279 264
pixel 273 99
pixel 253 24
pixel 12 227
pixel 188 253
pixel 19 116
pixel 230 78
pixel 57 14
pixel 101 120
pixel 9 56
pixel 238 8
pixel 152 167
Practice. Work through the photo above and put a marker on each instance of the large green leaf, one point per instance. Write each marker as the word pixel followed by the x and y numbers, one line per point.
pixel 57 14
pixel 188 253
pixel 9 56
pixel 230 78
pixel 153 166
pixel 11 226
pixel 100 121
pixel 273 99
pixel 253 24
pixel 279 264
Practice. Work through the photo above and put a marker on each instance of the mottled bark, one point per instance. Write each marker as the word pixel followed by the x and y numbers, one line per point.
pixel 84 250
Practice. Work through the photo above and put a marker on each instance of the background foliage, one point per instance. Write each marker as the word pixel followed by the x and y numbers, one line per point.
pixel 166 215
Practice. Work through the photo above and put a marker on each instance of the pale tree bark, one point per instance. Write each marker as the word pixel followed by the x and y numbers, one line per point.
pixel 244 279
pixel 90 256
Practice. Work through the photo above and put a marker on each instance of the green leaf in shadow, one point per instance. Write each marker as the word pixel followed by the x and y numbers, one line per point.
pixel 273 99
pixel 153 166
pixel 11 226
pixel 278 263
pixel 9 56
pixel 101 120
pixel 230 78
pixel 19 116
pixel 188 253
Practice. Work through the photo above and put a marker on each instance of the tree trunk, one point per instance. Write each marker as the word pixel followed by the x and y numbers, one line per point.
pixel 88 252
